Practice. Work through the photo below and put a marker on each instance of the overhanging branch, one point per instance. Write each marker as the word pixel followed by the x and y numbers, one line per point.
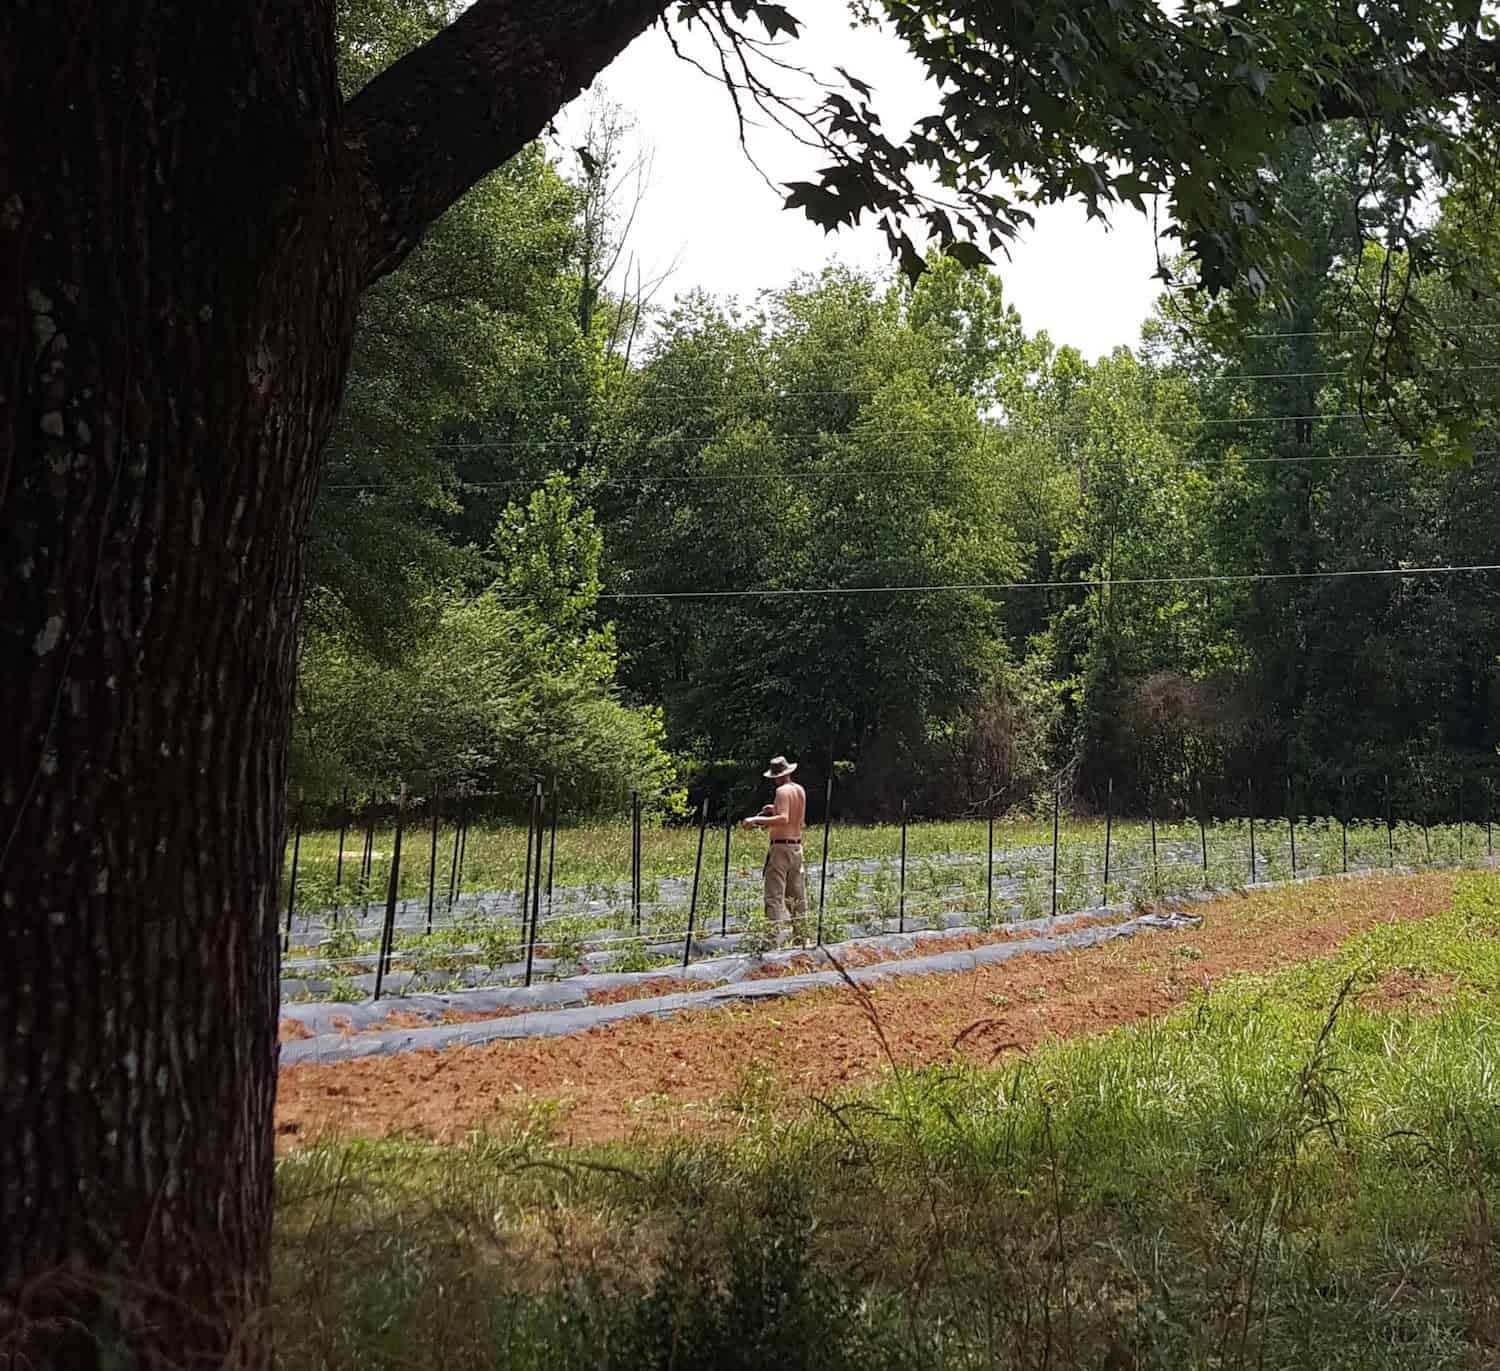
pixel 426 129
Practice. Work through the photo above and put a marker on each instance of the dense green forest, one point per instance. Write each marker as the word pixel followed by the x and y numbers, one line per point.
pixel 534 488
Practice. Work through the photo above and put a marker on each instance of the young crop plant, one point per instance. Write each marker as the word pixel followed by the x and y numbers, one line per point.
pixel 566 935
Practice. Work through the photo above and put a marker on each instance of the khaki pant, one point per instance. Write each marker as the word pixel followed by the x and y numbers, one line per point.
pixel 783 876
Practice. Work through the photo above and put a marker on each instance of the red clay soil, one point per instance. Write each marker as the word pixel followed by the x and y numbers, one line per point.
pixel 646 990
pixel 684 1073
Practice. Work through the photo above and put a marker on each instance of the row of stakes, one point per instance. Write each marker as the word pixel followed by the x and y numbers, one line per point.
pixel 541 833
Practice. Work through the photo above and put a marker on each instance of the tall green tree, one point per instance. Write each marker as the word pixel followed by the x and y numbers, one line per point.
pixel 832 443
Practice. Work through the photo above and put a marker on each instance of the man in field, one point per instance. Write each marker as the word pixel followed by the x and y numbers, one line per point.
pixel 784 816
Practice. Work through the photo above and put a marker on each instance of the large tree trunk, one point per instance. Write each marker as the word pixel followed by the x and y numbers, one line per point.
pixel 176 308
pixel 187 217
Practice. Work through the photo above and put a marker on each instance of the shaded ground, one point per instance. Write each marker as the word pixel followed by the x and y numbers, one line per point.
pixel 696 1071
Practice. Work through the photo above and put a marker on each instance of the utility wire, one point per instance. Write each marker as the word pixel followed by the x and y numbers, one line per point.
pixel 1244 578
pixel 1189 463
pixel 576 405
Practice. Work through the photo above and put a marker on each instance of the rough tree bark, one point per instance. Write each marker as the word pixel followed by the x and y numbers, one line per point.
pixel 187 217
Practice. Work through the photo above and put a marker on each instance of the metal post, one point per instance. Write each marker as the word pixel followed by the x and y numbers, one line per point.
pixel 901 906
pixel 338 871
pixel 1344 817
pixel 1109 818
pixel 437 809
pixel 534 879
pixel 453 864
pixel 1291 825
pixel 687 943
pixel 823 875
pixel 291 899
pixel 1390 828
pixel 367 858
pixel 1203 834
pixel 1056 814
pixel 463 851
pixel 1460 821
pixel 989 874
pixel 532 839
pixel 1489 809
pixel 552 848
pixel 367 863
pixel 388 934
pixel 724 906
pixel 1155 865
pixel 1250 803
pixel 635 859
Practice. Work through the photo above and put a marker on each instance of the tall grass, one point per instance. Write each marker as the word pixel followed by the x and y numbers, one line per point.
pixel 1280 1175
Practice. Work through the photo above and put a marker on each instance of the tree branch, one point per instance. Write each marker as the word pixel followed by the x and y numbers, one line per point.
pixel 1468 68
pixel 427 128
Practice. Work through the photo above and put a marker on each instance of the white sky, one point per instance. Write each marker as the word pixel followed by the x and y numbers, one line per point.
pixel 708 208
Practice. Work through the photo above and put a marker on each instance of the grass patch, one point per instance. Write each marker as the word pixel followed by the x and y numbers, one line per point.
pixel 1294 1171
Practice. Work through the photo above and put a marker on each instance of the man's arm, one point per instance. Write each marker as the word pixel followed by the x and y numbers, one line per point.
pixel 779 813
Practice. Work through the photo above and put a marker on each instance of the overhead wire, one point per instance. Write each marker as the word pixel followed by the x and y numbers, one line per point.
pixel 1083 583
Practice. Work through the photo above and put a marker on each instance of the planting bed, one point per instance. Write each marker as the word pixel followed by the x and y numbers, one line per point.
pixel 590 936
pixel 692 1069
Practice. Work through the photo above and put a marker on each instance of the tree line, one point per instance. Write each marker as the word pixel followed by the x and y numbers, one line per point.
pixel 759 491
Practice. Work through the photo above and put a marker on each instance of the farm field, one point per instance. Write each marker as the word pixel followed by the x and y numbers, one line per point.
pixel 458 921
pixel 1271 1140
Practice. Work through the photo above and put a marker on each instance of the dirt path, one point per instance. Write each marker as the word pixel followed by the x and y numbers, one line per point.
pixel 688 1072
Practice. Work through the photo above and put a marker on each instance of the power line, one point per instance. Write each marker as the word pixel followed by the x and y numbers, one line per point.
pixel 1190 463
pixel 1218 579
pixel 660 440
pixel 579 405
pixel 1347 333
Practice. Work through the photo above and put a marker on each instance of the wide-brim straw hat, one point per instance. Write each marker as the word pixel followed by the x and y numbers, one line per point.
pixel 780 767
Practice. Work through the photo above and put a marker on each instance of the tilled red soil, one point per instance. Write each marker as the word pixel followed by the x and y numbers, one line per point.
pixel 684 1072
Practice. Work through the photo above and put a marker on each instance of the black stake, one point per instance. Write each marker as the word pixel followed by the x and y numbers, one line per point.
pixel 1109 817
pixel 1250 804
pixel 901 905
pixel 539 823
pixel 823 875
pixel 453 864
pixel 463 849
pixel 687 943
pixel 536 880
pixel 635 859
pixel 1489 809
pixel 338 871
pixel 1155 865
pixel 388 933
pixel 533 839
pixel 1344 817
pixel 989 874
pixel 291 899
pixel 437 809
pixel 552 848
pixel 1056 814
pixel 367 863
pixel 724 907
pixel 463 852
pixel 1460 822
pixel 1291 825
pixel 1203 834
pixel 1390 828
